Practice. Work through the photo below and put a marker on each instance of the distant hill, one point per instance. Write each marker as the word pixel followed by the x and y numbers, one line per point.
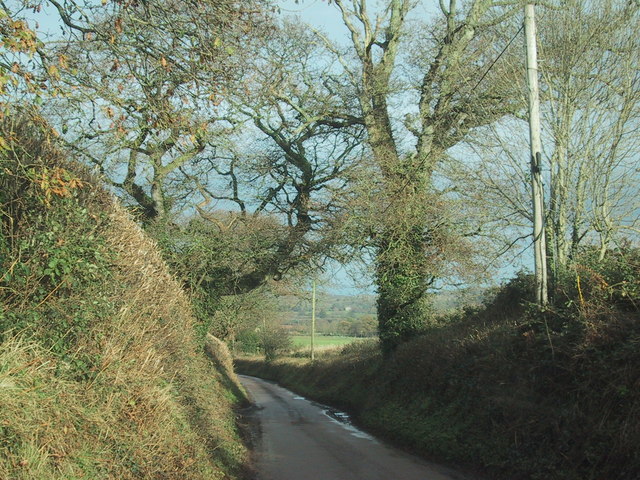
pixel 334 311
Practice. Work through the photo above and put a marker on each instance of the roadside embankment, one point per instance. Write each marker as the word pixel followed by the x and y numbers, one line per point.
pixel 511 392
pixel 101 372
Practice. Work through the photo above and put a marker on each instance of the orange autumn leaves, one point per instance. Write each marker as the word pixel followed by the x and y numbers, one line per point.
pixel 58 182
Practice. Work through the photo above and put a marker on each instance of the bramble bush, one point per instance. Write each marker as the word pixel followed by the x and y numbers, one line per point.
pixel 613 281
pixel 50 244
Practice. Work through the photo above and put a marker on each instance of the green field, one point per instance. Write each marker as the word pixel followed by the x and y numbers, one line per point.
pixel 322 341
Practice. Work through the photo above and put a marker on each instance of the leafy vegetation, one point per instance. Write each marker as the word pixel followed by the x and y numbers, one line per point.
pixel 253 150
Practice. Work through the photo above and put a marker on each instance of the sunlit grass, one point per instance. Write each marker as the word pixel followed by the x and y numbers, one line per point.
pixel 304 341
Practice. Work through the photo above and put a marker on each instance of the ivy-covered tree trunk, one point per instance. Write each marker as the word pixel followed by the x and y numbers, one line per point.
pixel 408 247
pixel 402 305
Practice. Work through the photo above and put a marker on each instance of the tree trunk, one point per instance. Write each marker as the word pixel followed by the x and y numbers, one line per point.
pixel 402 305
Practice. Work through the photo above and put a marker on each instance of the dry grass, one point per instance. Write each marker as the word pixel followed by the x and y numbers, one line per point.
pixel 146 403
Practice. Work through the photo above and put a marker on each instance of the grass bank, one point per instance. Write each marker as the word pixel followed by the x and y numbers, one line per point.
pixel 503 389
pixel 101 372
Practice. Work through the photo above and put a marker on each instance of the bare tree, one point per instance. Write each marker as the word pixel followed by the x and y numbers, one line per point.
pixel 146 80
pixel 592 97
pixel 451 99
pixel 162 96
pixel 589 93
pixel 289 165
pixel 310 143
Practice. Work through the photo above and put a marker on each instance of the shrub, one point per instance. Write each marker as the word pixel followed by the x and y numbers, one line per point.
pixel 274 340
pixel 52 242
pixel 614 280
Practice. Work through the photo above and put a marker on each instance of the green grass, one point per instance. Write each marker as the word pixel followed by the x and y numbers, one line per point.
pixel 322 341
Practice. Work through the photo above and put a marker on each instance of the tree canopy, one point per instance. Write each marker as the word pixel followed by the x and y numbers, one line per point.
pixel 255 147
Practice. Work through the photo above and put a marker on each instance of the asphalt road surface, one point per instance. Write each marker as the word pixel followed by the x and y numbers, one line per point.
pixel 297 439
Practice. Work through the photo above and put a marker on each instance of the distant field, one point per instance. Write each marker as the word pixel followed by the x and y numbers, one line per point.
pixel 322 341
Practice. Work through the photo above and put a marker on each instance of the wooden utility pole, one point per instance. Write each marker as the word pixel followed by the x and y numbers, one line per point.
pixel 539 240
pixel 313 318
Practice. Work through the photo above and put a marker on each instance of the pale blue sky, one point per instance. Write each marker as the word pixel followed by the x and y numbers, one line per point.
pixel 321 15
pixel 317 13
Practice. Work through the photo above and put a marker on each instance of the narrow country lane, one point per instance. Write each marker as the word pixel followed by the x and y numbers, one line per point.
pixel 300 439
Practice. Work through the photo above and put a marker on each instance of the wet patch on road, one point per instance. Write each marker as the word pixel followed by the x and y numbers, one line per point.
pixel 345 421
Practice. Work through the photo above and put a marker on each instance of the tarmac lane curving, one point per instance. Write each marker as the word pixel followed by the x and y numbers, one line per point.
pixel 300 439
